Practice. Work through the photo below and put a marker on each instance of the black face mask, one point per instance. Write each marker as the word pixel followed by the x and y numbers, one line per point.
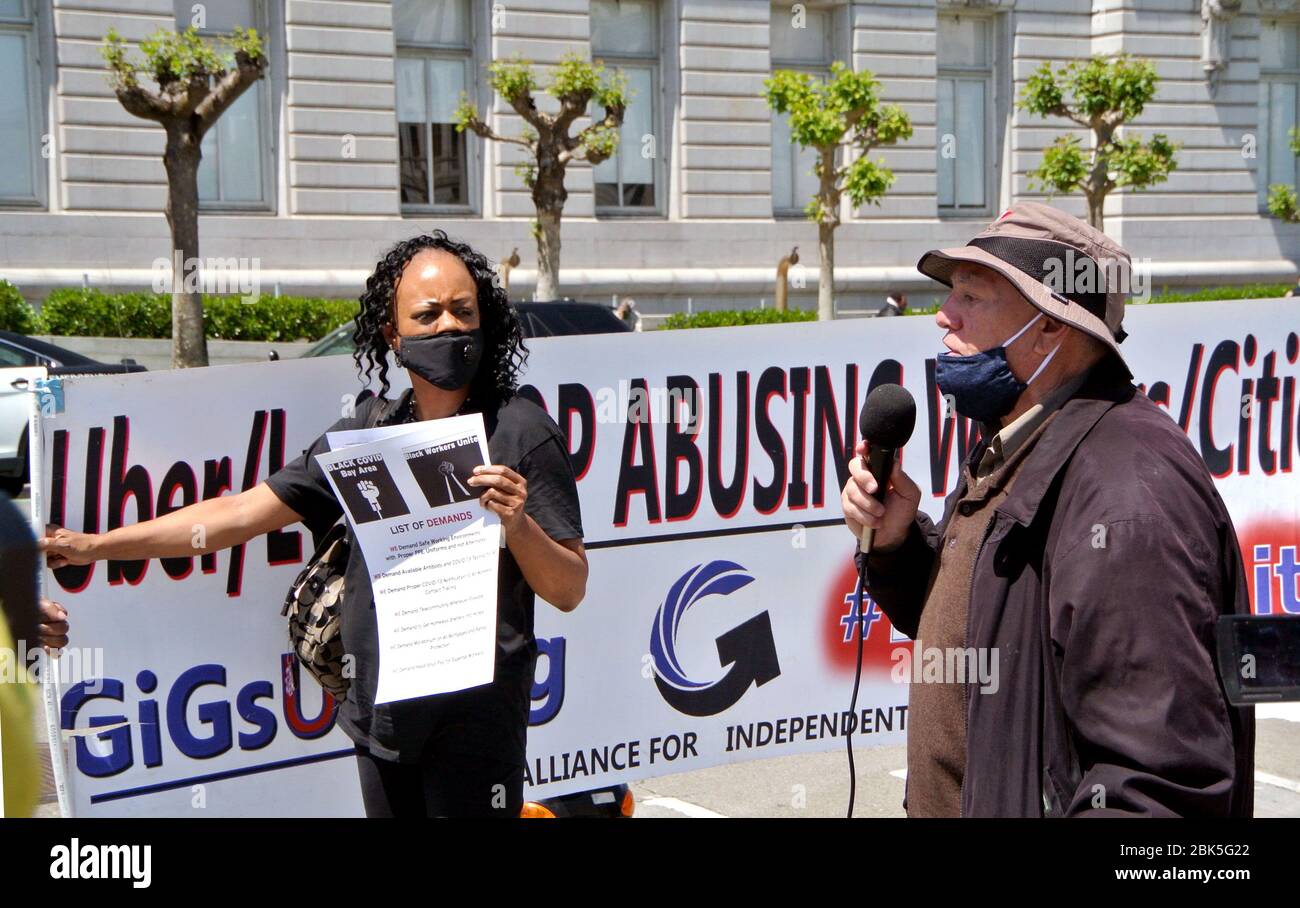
pixel 447 360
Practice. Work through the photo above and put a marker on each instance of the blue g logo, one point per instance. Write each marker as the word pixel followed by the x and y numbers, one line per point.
pixel 749 648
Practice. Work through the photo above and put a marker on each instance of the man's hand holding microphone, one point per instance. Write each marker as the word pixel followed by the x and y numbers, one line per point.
pixel 880 516
pixel 891 520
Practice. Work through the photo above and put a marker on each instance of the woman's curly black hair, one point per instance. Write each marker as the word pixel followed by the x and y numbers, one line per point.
pixel 504 353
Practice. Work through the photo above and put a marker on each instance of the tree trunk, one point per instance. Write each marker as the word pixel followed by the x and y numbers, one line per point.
pixel 548 256
pixel 181 160
pixel 826 276
pixel 828 196
pixel 1096 205
pixel 549 196
pixel 1094 189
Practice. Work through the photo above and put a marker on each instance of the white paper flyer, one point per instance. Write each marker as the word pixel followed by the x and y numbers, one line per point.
pixel 431 550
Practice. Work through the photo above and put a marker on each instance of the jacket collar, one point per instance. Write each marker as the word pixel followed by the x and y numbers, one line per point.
pixel 1104 388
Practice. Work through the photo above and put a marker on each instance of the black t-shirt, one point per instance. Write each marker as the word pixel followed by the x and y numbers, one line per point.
pixel 491 720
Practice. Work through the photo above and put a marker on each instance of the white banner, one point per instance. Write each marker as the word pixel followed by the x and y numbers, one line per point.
pixel 718 619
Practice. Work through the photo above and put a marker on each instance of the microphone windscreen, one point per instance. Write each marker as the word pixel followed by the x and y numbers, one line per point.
pixel 888 417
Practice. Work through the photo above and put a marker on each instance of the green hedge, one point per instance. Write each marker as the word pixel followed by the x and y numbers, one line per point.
pixel 283 318
pixel 1235 292
pixel 725 318
pixel 16 314
pixel 77 312
pixel 1240 292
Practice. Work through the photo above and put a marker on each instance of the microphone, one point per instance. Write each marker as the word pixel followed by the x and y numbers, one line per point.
pixel 886 422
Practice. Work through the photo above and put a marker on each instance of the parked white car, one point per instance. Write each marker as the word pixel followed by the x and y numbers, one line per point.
pixel 21 359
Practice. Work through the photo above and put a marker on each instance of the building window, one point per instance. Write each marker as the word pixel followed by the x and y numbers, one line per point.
pixel 964 112
pixel 434 68
pixel 20 132
pixel 625 36
pixel 806 48
pixel 236 150
pixel 1279 93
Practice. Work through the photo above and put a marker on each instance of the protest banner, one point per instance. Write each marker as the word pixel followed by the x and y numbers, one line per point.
pixel 718 622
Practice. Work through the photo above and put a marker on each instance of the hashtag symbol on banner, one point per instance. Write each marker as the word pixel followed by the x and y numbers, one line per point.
pixel 873 615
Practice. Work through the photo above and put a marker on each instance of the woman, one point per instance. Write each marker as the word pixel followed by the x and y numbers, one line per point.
pixel 437 306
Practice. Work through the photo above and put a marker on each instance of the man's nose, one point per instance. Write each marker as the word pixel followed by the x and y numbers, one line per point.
pixel 944 317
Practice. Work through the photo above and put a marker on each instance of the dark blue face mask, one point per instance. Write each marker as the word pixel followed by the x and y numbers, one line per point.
pixel 982 385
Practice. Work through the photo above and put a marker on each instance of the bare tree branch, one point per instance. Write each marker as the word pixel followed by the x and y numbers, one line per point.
pixel 213 102
pixel 143 103
pixel 195 92
pixel 483 131
pixel 526 107
pixel 571 108
pixel 575 147
pixel 1113 120
pixel 1060 110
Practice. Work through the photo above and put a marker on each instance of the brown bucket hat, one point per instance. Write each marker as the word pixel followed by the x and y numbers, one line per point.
pixel 1061 265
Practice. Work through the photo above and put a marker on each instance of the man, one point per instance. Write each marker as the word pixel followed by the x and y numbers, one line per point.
pixel 21 621
pixel 895 304
pixel 1085 547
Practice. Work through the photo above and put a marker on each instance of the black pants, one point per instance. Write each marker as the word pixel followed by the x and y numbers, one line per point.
pixel 442 784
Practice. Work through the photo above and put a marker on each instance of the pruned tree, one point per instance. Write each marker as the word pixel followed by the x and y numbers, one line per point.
pixel 1101 94
pixel 842 119
pixel 551 144
pixel 197 81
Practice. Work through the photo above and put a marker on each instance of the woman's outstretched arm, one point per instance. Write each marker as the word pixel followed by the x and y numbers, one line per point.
pixel 205 526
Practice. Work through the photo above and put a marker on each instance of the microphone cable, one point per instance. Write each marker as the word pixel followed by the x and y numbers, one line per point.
pixel 857 679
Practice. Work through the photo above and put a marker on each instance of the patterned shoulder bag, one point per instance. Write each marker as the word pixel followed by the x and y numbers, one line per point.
pixel 314 604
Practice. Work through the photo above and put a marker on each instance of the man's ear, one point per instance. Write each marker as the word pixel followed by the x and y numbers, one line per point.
pixel 1054 332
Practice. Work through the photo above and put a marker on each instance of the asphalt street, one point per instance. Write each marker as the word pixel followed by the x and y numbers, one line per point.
pixel 817 785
